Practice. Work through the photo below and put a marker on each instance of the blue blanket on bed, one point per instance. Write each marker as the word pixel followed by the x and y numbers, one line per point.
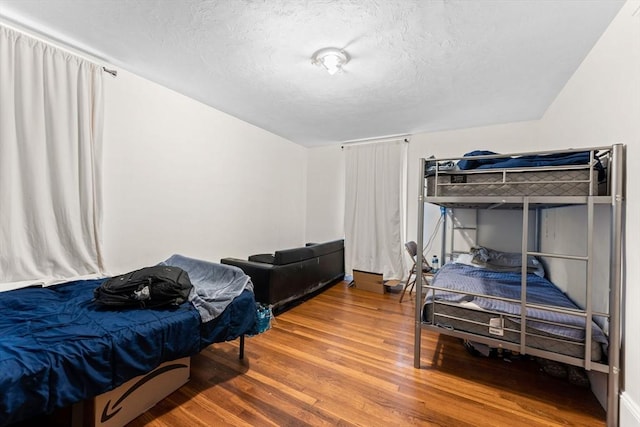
pixel 58 347
pixel 555 159
pixel 470 279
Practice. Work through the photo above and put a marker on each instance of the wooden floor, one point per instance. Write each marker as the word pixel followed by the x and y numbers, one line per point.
pixel 345 358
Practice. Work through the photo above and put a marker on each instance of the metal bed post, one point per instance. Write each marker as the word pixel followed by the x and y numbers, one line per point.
pixel 419 277
pixel 538 227
pixel 615 280
pixel 588 332
pixel 451 213
pixel 523 274
pixel 443 238
pixel 241 355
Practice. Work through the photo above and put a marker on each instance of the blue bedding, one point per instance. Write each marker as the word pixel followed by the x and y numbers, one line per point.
pixel 535 160
pixel 475 280
pixel 57 347
pixel 556 159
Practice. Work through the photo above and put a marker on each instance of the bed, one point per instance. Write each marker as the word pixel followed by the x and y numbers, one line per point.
pixel 57 347
pixel 486 302
pixel 485 173
pixel 553 327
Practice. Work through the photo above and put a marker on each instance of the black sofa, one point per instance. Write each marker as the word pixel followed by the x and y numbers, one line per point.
pixel 291 274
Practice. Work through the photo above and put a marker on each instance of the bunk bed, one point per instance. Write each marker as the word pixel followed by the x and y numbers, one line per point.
pixel 457 301
pixel 499 299
pixel 59 348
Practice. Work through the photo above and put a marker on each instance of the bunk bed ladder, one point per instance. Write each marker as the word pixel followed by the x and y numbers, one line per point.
pixel 588 259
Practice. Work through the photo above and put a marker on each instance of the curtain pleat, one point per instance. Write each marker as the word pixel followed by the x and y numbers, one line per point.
pixel 51 109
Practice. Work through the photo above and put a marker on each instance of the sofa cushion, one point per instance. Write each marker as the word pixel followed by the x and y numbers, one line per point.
pixel 320 249
pixel 289 256
pixel 265 258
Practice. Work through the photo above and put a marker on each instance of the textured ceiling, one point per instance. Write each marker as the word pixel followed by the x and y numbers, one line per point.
pixel 416 65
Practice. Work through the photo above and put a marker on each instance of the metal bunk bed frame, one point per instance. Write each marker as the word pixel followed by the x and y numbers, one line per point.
pixel 614 198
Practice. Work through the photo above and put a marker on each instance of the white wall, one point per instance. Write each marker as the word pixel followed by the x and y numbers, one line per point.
pixel 601 105
pixel 325 194
pixel 181 177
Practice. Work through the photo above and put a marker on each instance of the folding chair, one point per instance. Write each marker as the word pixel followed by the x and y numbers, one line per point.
pixel 412 248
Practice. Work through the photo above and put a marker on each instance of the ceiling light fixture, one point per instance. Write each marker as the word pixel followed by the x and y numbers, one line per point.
pixel 331 59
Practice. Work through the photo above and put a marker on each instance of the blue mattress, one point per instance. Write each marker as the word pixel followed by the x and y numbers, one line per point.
pixel 57 347
pixel 467 279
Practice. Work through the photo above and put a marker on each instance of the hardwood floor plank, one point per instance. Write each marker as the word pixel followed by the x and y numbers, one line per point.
pixel 345 358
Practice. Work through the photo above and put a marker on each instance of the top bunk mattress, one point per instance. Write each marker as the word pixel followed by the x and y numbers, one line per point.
pixel 569 182
pixel 484 173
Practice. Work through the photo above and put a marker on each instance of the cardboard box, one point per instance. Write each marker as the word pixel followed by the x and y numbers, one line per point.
pixel 368 281
pixel 121 405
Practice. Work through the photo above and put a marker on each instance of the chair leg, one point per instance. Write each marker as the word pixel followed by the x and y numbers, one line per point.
pixel 408 285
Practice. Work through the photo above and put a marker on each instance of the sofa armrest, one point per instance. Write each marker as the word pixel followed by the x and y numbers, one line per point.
pixel 260 274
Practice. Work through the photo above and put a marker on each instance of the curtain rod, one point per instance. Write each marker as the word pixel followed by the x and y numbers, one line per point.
pixel 114 73
pixel 14 25
pixel 404 138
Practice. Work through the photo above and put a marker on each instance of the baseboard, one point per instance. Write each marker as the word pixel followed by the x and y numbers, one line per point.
pixel 629 411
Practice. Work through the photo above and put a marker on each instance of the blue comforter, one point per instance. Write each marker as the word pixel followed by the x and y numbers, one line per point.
pixel 535 160
pixel 475 280
pixel 57 347
pixel 558 159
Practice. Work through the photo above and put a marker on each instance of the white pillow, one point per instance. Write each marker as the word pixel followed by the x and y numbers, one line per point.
pixel 466 259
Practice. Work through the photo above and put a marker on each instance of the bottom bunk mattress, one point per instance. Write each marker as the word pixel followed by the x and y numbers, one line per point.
pixel 466 310
pixel 58 347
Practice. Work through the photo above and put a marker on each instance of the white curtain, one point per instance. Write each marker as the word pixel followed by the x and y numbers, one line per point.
pixel 51 111
pixel 374 208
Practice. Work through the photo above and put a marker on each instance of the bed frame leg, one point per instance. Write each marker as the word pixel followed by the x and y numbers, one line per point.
pixel 77 414
pixel 241 356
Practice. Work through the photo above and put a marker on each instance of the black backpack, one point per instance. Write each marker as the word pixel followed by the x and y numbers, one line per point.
pixel 155 286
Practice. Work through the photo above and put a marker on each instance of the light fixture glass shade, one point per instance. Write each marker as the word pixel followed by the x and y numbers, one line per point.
pixel 331 59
